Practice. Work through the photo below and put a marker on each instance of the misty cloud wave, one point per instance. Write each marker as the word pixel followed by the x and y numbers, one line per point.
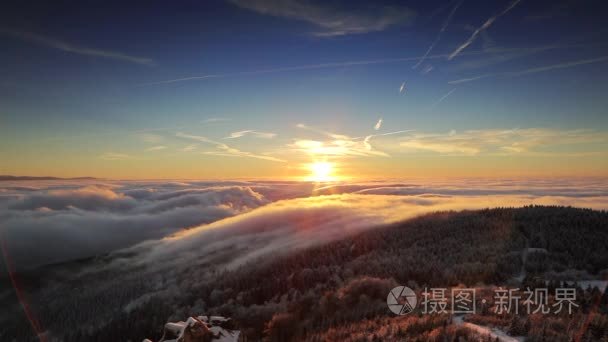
pixel 53 224
pixel 289 225
pixel 50 222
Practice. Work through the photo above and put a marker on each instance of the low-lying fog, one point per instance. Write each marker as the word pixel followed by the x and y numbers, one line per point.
pixel 55 221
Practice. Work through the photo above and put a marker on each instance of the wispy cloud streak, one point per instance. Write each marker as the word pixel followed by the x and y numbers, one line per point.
pixel 156 148
pixel 474 78
pixel 322 132
pixel 383 134
pixel 233 152
pixel 533 70
pixel 63 46
pixel 225 150
pixel 197 138
pixel 239 134
pixel 189 148
pixel 367 139
pixel 402 88
pixel 378 124
pixel 529 141
pixel 442 98
pixel 482 28
pixel 438 37
pixel 330 65
pixel 560 66
pixel 339 145
pixel 335 148
pixel 114 156
pixel 333 20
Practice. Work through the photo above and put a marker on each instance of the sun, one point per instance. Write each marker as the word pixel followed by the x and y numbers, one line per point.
pixel 321 172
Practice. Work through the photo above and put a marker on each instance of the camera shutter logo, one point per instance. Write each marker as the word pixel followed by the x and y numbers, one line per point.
pixel 401 300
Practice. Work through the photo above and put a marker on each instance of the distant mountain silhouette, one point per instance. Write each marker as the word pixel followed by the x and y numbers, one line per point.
pixel 20 178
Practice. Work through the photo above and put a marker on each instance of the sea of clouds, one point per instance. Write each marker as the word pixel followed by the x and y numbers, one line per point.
pixel 44 222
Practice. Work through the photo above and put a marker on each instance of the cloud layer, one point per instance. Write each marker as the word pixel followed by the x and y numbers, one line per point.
pixel 288 225
pixel 55 221
pixel 64 222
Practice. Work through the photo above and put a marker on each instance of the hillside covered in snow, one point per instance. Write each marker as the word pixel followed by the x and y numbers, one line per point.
pixel 333 289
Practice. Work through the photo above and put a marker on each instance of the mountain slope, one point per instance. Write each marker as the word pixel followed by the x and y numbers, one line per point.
pixel 335 286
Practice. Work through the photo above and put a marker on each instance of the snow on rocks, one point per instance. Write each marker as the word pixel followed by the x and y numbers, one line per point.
pixel 200 329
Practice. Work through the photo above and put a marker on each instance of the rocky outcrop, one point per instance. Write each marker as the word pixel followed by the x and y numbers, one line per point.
pixel 200 329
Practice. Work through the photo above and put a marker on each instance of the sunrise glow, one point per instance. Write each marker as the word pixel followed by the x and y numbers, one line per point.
pixel 310 170
pixel 322 172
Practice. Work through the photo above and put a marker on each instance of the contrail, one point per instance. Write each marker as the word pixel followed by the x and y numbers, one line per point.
pixel 445 25
pixel 442 98
pixel 225 150
pixel 63 46
pixel 474 78
pixel 483 27
pixel 378 124
pixel 533 70
pixel 367 137
pixel 346 137
pixel 331 65
pixel 136 131
pixel 560 66
pixel 322 132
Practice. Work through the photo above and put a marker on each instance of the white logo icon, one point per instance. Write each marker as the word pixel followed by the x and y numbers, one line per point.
pixel 401 300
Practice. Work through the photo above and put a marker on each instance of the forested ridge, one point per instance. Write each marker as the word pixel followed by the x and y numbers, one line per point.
pixel 338 290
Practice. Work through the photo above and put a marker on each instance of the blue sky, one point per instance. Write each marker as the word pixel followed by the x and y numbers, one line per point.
pixel 84 81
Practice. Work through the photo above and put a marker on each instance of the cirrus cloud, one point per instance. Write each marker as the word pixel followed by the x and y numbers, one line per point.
pixel 500 141
pixel 333 21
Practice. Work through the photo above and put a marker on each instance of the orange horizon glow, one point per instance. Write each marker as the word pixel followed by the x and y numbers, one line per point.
pixel 322 171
